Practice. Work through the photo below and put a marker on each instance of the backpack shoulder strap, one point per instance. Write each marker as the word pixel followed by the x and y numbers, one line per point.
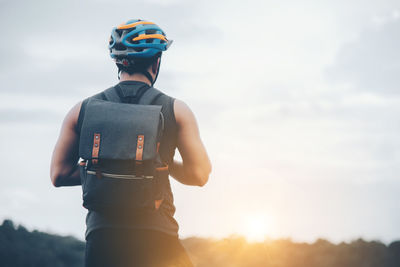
pixel 112 95
pixel 81 115
pixel 149 96
pixel 83 109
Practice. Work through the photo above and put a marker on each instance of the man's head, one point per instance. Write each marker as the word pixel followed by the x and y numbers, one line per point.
pixel 136 47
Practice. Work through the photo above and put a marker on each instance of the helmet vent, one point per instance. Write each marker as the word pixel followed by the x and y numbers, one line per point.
pixel 150 31
pixel 149 41
pixel 120 47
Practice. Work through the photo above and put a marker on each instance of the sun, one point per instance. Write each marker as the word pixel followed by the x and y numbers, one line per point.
pixel 256 227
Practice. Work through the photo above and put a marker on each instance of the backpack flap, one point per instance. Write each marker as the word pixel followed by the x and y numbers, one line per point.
pixel 120 131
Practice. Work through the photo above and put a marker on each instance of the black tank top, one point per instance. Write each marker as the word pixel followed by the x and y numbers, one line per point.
pixel 162 219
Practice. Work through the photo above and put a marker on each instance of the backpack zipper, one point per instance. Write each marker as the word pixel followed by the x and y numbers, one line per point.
pixel 121 176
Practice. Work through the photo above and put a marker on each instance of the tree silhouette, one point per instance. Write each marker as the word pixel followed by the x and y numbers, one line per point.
pixel 19 247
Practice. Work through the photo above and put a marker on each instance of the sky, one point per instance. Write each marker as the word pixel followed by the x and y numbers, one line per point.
pixel 295 100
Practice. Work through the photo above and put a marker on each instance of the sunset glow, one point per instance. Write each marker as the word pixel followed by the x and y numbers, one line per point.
pixel 257 227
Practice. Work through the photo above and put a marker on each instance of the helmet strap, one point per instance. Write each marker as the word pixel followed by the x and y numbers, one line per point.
pixel 148 76
pixel 158 71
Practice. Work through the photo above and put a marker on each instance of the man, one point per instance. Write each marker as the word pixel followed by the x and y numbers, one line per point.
pixel 148 238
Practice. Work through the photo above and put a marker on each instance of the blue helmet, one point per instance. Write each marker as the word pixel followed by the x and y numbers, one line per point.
pixel 137 39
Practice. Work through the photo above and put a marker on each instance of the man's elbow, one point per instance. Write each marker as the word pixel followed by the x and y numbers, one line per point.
pixel 202 182
pixel 55 177
pixel 201 176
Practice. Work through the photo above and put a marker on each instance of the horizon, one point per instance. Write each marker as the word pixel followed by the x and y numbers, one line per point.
pixel 230 237
pixel 312 87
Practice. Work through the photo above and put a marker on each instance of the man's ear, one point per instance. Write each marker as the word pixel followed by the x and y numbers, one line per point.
pixel 154 66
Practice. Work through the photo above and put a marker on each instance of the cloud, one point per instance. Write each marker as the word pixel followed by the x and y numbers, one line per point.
pixel 372 62
pixel 62 51
pixel 31 116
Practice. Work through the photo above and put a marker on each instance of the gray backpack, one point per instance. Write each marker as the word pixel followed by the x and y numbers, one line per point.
pixel 121 169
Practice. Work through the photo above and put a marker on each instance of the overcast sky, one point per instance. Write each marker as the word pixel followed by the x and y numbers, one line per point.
pixel 297 103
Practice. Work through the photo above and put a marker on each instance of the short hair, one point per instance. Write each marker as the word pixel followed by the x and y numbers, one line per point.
pixel 138 64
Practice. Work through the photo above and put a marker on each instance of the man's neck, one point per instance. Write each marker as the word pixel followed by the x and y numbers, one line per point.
pixel 134 77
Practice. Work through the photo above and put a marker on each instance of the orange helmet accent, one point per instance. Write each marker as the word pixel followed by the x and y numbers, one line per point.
pixel 150 36
pixel 128 26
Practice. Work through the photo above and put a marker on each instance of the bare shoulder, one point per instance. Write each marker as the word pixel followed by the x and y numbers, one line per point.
pixel 71 119
pixel 183 114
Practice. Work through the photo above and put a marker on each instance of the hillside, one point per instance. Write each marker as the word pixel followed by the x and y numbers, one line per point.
pixel 19 247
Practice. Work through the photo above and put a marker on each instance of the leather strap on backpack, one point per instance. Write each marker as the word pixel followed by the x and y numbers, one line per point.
pixel 95 153
pixel 96 149
pixel 139 156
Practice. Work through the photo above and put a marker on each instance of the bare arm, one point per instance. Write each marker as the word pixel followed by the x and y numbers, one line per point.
pixel 64 169
pixel 196 166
